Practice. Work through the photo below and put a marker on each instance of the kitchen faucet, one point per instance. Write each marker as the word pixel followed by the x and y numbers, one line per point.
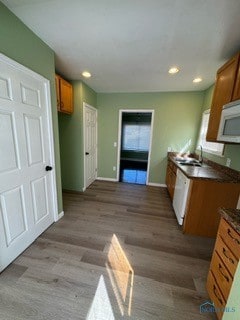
pixel 201 154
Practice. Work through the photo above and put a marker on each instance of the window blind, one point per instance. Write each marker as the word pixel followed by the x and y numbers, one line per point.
pixel 136 136
pixel 211 147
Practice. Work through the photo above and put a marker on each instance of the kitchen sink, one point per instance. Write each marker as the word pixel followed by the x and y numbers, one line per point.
pixel 186 163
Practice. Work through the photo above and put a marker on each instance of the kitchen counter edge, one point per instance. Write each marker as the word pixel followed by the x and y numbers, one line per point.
pixel 232 216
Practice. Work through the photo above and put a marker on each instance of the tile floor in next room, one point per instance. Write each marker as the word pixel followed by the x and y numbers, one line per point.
pixel 118 253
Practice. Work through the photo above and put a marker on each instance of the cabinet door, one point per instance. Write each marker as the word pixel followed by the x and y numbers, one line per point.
pixel 236 93
pixel 171 178
pixel 57 84
pixel 222 94
pixel 215 295
pixel 222 275
pixel 231 237
pixel 173 182
pixel 66 104
pixel 226 255
pixel 171 190
pixel 168 178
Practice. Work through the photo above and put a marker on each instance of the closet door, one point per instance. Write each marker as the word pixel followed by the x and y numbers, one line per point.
pixel 27 177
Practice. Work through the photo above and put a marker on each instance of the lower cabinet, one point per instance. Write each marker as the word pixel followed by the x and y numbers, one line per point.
pixel 205 197
pixel 171 178
pixel 223 266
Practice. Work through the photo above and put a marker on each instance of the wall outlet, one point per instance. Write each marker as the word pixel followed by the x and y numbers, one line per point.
pixel 114 168
pixel 228 162
pixel 169 149
pixel 115 144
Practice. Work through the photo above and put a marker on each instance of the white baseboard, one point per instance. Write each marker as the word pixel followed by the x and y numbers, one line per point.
pixel 107 179
pixel 160 185
pixel 61 214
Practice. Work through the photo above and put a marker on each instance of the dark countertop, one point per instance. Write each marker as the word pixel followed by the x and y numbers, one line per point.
pixel 232 216
pixel 208 171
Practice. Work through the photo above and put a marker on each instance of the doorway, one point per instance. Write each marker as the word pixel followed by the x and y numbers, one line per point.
pixel 135 135
pixel 90 144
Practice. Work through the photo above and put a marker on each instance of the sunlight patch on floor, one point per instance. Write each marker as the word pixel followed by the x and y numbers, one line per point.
pixel 101 308
pixel 121 277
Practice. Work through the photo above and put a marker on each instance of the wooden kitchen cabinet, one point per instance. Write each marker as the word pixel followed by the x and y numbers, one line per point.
pixel 223 265
pixel 226 90
pixel 64 95
pixel 205 197
pixel 171 178
pixel 236 92
pixel 215 295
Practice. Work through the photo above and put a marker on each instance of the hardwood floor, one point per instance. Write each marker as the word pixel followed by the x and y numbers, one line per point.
pixel 118 253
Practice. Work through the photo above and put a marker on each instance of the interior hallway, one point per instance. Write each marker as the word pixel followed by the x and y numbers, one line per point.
pixel 118 253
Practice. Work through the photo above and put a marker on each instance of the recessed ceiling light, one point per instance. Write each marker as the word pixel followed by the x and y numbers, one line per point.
pixel 197 80
pixel 173 70
pixel 86 74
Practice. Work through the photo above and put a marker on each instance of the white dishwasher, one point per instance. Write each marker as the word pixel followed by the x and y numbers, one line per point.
pixel 180 195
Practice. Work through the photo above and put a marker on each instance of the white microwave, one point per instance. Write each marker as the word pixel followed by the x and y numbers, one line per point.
pixel 229 128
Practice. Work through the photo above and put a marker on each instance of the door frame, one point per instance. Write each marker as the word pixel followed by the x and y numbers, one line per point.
pixel 121 111
pixel 86 105
pixel 37 76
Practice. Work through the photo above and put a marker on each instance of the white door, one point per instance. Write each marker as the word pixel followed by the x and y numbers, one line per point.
pixel 90 144
pixel 27 190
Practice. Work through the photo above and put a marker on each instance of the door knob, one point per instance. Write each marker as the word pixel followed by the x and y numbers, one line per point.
pixel 86 153
pixel 48 168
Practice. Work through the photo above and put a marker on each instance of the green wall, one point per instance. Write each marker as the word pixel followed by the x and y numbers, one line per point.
pixel 22 45
pixel 71 137
pixel 234 298
pixel 230 151
pixel 176 122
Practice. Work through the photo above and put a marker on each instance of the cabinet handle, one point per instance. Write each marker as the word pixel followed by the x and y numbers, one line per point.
pixel 222 273
pixel 229 258
pixel 61 104
pixel 215 293
pixel 234 239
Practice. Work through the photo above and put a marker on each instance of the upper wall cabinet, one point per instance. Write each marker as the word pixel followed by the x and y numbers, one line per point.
pixel 236 92
pixel 227 88
pixel 64 95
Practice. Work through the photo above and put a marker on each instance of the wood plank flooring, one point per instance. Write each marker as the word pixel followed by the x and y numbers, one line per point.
pixel 118 253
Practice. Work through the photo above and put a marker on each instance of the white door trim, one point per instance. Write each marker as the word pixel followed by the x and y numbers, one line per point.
pixel 86 105
pixel 37 76
pixel 121 111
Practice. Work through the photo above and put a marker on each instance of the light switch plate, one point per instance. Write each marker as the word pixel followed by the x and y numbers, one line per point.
pixel 228 162
pixel 238 205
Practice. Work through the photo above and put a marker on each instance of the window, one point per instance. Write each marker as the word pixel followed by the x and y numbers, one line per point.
pixel 136 136
pixel 211 147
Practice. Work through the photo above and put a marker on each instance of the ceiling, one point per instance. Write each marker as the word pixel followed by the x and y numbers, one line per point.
pixel 129 45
